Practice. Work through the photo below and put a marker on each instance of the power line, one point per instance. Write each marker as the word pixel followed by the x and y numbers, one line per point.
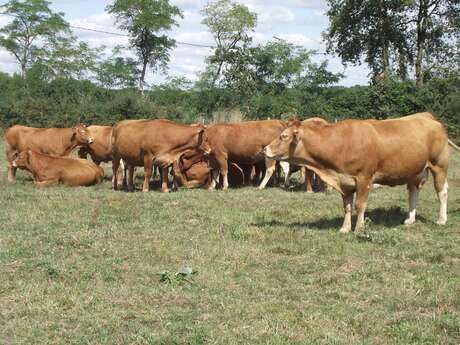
pixel 125 35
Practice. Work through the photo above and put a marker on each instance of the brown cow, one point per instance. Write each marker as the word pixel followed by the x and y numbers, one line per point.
pixel 191 170
pixel 100 150
pixel 53 141
pixel 50 170
pixel 240 142
pixel 148 142
pixel 350 155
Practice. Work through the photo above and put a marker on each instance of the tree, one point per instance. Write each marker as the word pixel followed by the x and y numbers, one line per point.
pixel 33 21
pixel 230 23
pixel 118 71
pixel 66 57
pixel 373 29
pixel 145 20
pixel 434 25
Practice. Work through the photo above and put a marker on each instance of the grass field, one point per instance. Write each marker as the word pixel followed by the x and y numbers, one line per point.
pixel 82 266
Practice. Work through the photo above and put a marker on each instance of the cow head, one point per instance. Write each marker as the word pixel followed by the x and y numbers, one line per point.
pixel 21 160
pixel 203 143
pixel 82 135
pixel 282 147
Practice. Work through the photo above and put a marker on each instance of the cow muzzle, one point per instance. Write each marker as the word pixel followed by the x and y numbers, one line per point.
pixel 14 164
pixel 90 140
pixel 267 152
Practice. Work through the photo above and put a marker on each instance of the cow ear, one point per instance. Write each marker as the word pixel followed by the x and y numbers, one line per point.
pixel 295 134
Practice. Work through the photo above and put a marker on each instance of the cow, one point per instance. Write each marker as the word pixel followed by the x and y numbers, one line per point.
pixel 52 141
pixel 240 142
pixel 50 170
pixel 351 155
pixel 100 149
pixel 152 142
pixel 191 170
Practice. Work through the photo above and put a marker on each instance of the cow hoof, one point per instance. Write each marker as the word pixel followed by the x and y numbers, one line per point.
pixel 441 221
pixel 309 191
pixel 165 190
pixel 409 221
pixel 345 230
pixel 145 190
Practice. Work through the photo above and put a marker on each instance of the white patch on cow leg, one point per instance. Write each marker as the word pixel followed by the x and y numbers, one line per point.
pixel 347 207
pixel 225 181
pixel 11 172
pixel 215 175
pixel 442 195
pixel 285 166
pixel 413 197
pixel 268 174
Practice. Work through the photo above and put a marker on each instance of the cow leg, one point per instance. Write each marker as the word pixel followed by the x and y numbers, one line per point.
pixel 413 197
pixel 309 174
pixel 285 166
pixel 362 193
pixel 130 181
pixel 11 172
pixel 214 177
pixel 164 180
pixel 47 183
pixel 148 167
pixel 441 187
pixel 270 165
pixel 115 166
pixel 347 207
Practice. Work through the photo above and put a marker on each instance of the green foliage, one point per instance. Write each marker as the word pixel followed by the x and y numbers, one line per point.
pixel 230 24
pixel 33 21
pixel 145 20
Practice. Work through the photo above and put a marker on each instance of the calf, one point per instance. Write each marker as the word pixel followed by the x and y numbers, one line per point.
pixel 49 170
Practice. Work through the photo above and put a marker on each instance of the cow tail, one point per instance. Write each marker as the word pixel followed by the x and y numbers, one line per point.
pixel 451 144
pixel 241 171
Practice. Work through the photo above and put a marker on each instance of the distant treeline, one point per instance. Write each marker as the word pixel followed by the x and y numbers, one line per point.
pixel 64 102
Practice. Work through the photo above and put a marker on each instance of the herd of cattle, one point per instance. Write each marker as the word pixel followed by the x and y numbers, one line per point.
pixel 349 156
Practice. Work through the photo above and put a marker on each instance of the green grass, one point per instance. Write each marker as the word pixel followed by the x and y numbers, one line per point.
pixel 81 266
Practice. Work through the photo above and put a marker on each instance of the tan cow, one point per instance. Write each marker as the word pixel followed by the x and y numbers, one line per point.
pixel 191 170
pixel 351 155
pixel 50 170
pixel 240 142
pixel 100 149
pixel 52 141
pixel 148 142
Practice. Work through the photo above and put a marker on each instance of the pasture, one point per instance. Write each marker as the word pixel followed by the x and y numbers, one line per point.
pixel 93 266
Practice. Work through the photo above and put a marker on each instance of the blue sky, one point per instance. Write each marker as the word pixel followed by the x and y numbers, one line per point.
pixel 298 21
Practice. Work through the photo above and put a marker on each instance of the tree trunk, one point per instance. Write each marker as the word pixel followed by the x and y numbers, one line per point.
pixel 142 78
pixel 386 61
pixel 421 35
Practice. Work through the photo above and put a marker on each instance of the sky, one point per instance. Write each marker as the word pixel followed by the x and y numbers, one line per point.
pixel 298 21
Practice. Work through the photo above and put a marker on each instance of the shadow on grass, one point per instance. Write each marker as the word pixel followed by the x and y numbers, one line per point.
pixel 386 217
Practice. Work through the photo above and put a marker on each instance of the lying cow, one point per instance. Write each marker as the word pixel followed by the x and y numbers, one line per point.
pixel 351 155
pixel 49 170
pixel 148 142
pixel 52 141
pixel 191 170
pixel 240 142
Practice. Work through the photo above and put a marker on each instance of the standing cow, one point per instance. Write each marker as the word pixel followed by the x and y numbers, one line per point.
pixel 52 141
pixel 151 142
pixel 240 142
pixel 351 155
pixel 100 149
